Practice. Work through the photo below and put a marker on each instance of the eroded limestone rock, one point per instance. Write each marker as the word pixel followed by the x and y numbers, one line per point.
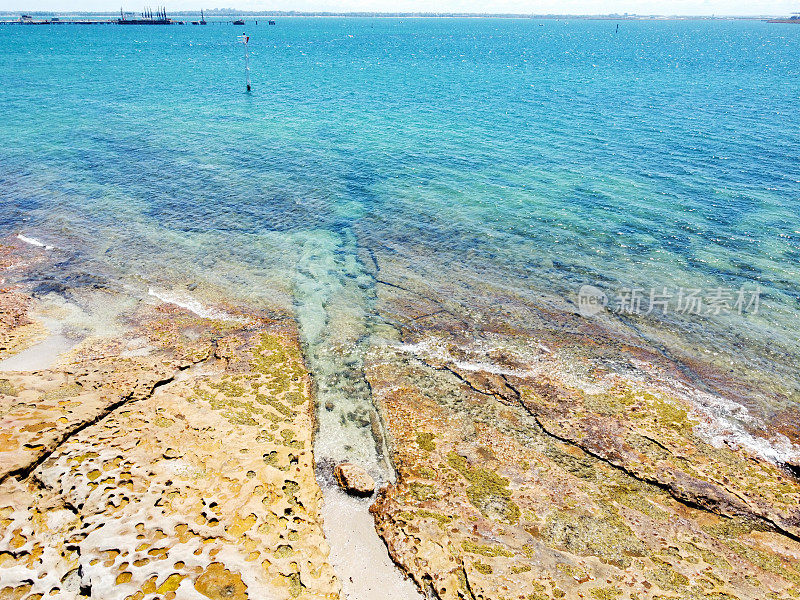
pixel 17 330
pixel 488 504
pixel 354 479
pixel 39 411
pixel 653 435
pixel 184 471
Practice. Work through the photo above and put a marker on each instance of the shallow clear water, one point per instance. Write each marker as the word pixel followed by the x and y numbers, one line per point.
pixel 463 157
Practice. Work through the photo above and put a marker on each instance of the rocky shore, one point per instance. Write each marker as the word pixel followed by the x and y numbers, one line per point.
pixel 171 456
pixel 174 460
pixel 522 477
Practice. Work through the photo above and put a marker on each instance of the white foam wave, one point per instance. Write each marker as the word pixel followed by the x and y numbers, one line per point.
pixel 192 305
pixel 538 364
pixel 723 425
pixel 432 350
pixel 723 421
pixel 33 242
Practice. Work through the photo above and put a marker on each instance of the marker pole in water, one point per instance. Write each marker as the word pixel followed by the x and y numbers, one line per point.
pixel 245 39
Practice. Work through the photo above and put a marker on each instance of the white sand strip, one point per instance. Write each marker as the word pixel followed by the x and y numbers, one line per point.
pixel 358 555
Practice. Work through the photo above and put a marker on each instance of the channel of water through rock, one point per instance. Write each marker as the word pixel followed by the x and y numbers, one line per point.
pixel 334 299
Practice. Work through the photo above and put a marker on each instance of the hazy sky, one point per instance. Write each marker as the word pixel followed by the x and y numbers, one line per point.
pixel 676 7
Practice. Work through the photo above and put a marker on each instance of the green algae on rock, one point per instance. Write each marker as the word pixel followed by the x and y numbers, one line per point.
pixel 511 510
pixel 158 465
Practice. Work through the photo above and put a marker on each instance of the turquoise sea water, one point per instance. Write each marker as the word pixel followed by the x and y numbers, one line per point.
pixel 462 158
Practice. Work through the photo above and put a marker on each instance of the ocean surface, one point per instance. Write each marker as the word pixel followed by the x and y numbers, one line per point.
pixel 477 162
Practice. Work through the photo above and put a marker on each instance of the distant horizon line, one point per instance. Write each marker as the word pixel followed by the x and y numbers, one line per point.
pixel 220 12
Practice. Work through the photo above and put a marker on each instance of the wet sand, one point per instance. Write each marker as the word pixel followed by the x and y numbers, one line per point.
pixel 359 556
pixel 43 354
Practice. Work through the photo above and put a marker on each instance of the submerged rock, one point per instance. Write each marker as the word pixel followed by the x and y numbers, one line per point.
pixel 354 479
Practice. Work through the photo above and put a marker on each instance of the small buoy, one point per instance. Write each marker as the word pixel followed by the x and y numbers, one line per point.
pixel 244 38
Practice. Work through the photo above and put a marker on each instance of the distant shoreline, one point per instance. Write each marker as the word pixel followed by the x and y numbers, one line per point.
pixel 217 13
